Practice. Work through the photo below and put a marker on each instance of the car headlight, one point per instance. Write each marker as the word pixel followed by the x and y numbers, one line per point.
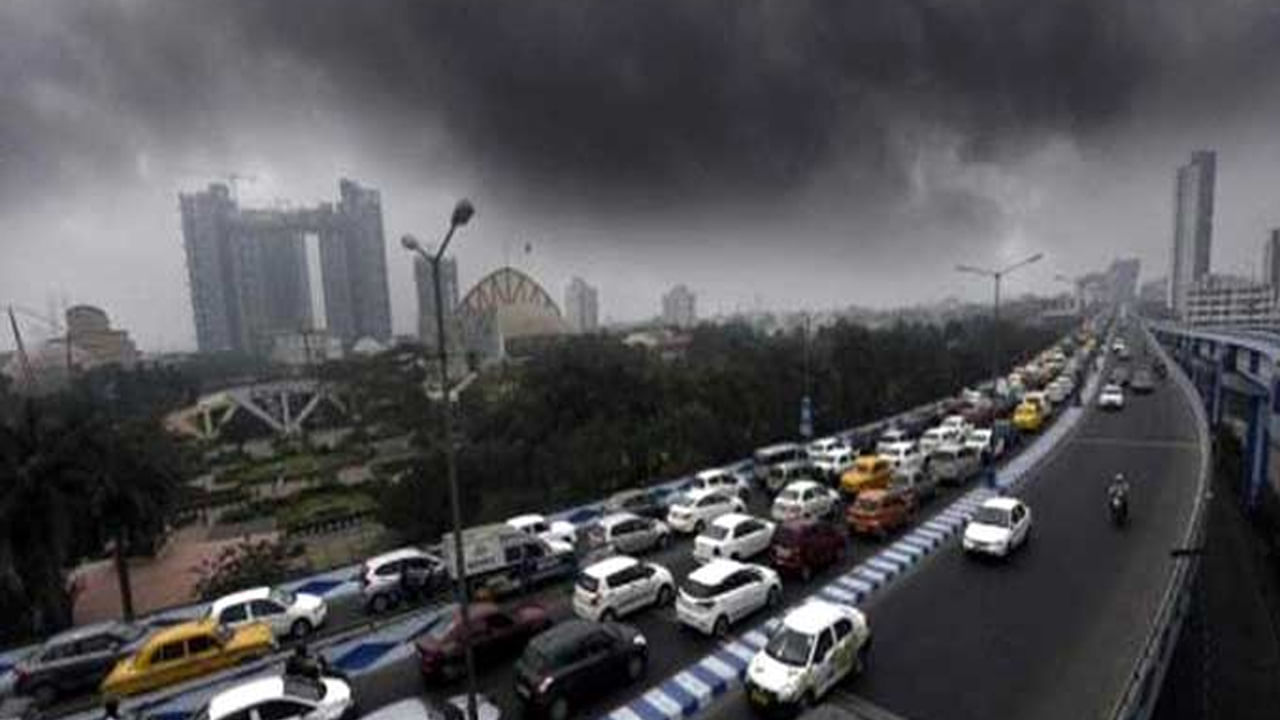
pixel 639 640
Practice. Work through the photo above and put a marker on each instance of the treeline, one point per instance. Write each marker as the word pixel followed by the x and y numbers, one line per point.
pixel 590 416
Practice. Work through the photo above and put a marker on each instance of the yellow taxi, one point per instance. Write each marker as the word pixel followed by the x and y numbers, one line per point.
pixel 869 472
pixel 186 651
pixel 1028 416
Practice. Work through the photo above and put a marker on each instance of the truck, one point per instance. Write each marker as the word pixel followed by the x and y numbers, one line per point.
pixel 504 560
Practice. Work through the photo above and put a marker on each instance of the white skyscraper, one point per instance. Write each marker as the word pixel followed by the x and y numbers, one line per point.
pixel 581 306
pixel 679 307
pixel 1192 227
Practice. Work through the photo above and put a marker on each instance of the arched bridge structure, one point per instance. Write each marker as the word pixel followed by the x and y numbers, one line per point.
pixel 504 305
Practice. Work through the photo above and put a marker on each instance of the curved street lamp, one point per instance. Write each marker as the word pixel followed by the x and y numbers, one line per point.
pixel 463 211
pixel 997 274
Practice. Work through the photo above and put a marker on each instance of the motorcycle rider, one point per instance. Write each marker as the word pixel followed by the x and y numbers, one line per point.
pixel 1118 497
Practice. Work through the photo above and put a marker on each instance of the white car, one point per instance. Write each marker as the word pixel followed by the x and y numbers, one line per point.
pixel 998 527
pixel 627 533
pixel 822 446
pixel 558 532
pixel 720 480
pixel 736 536
pixel 905 457
pixel 936 437
pixel 288 614
pixel 804 499
pixel 381 580
pixel 833 464
pixel 697 509
pixel 985 441
pixel 723 592
pixel 1111 397
pixel 813 648
pixel 958 423
pixel 620 585
pixel 288 696
pixel 783 474
pixel 892 437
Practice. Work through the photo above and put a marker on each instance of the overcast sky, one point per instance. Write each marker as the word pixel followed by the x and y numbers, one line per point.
pixel 779 154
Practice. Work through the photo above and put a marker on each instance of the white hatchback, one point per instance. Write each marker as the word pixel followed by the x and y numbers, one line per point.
pixel 288 614
pixel 288 696
pixel 736 536
pixel 814 648
pixel 1111 397
pixel 998 527
pixel 697 508
pixel 722 592
pixel 804 499
pixel 620 585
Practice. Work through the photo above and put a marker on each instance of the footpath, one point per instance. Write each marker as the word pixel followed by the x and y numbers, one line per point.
pixel 1227 661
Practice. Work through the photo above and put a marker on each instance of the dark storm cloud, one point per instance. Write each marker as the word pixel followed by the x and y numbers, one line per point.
pixel 565 98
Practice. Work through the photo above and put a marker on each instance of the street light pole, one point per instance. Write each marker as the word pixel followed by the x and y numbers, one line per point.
pixel 997 275
pixel 462 213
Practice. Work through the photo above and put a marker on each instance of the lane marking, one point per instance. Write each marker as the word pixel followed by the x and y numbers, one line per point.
pixel 1131 443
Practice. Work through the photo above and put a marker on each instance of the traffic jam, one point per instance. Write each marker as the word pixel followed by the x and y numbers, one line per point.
pixel 564 609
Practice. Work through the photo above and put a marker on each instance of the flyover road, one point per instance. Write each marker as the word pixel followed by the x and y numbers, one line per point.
pixel 1054 632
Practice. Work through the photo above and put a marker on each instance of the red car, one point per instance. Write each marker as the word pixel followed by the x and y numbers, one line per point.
pixel 497 634
pixel 803 546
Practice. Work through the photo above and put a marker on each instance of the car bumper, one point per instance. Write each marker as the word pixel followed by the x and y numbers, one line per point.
pixel 587 611
pixel 682 524
pixel 704 621
pixel 706 553
pixel 767 701
pixel 992 549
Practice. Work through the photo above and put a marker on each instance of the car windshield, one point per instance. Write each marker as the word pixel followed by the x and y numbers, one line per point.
pixel 868 504
pixel 789 646
pixel 588 583
pixel 992 516
pixel 304 688
pixel 700 591
pixel 716 532
pixel 283 597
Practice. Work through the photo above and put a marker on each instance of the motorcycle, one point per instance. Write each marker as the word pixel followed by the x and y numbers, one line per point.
pixel 1118 502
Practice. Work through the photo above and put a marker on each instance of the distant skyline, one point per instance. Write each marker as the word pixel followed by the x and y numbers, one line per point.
pixel 649 146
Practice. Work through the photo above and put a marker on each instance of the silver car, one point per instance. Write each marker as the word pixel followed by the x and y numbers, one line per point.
pixel 628 533
pixel 955 463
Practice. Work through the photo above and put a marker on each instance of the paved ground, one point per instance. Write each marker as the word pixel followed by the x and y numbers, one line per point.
pixel 1227 662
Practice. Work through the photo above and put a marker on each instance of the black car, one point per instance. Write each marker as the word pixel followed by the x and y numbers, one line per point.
pixel 1142 382
pixel 1120 375
pixel 575 661
pixel 76 661
pixel 644 503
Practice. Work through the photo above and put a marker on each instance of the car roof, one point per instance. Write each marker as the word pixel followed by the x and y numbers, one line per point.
pixel 791 465
pixel 814 616
pixel 699 493
pixel 393 555
pixel 614 518
pixel 777 447
pixel 729 520
pixel 527 519
pixel 182 631
pixel 609 566
pixel 713 473
pixel 1001 503
pixel 84 631
pixel 714 572
pixel 251 693
pixel 235 598
pixel 801 485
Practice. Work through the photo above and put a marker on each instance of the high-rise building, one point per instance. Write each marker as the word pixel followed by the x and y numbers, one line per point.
pixel 1192 226
pixel 425 283
pixel 1271 259
pixel 1124 280
pixel 581 306
pixel 1231 302
pixel 679 307
pixel 249 274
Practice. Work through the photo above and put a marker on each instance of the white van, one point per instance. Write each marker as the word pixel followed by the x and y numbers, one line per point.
pixel 767 457
pixel 504 559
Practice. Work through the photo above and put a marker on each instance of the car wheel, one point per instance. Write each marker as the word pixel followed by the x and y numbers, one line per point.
pixel 665 595
pixel 609 615
pixel 635 667
pixel 864 656
pixel 721 628
pixel 699 526
pixel 773 598
pixel 380 603
pixel 558 709
pixel 44 695
pixel 300 629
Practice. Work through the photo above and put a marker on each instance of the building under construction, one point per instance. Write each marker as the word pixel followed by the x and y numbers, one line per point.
pixel 249 276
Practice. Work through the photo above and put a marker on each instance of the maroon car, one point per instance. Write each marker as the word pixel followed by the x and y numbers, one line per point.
pixel 497 634
pixel 804 546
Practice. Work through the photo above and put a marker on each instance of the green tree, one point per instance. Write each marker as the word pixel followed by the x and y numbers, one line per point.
pixel 246 564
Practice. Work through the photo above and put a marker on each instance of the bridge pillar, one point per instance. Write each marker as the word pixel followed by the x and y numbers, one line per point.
pixel 1257 448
